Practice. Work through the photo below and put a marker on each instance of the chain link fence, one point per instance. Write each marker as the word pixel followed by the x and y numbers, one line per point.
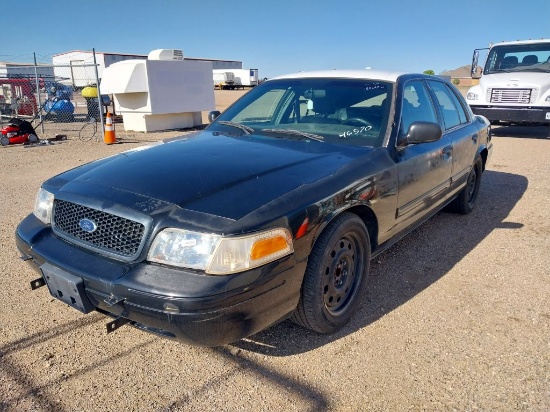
pixel 55 99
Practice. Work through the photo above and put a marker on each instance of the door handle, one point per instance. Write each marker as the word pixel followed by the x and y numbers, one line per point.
pixel 447 152
pixel 474 138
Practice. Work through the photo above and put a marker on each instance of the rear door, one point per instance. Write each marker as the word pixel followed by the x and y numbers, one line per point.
pixel 459 128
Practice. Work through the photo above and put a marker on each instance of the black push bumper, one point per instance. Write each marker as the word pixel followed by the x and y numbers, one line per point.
pixel 185 305
pixel 532 115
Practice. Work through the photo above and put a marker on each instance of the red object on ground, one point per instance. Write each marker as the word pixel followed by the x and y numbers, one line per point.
pixel 18 131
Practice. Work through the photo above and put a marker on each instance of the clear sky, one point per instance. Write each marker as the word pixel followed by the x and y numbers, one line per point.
pixel 277 36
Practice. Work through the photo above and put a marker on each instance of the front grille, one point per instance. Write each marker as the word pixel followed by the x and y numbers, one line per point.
pixel 112 233
pixel 510 95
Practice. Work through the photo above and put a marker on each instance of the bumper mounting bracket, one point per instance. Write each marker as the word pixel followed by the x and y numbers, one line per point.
pixel 115 324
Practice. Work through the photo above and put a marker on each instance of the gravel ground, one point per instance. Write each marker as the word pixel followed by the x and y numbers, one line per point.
pixel 457 316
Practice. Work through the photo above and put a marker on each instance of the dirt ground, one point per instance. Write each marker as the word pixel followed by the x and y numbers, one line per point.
pixel 457 316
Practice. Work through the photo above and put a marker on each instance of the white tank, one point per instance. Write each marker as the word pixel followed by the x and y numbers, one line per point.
pixel 166 54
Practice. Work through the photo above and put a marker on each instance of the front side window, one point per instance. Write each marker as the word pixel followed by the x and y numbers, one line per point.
pixel 417 106
pixel 340 111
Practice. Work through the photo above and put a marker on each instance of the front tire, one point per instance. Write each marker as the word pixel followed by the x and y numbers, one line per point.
pixel 336 276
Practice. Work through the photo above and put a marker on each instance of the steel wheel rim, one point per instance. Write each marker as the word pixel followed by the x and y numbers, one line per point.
pixel 342 273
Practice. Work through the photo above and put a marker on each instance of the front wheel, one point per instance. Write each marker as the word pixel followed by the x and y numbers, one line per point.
pixel 335 277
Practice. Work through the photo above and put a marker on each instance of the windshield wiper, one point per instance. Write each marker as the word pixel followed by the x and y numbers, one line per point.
pixel 536 69
pixel 245 129
pixel 292 132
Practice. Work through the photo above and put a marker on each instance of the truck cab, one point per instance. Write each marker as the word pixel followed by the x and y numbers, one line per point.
pixel 514 85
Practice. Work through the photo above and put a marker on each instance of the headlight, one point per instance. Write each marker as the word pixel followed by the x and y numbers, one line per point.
pixel 217 255
pixel 471 96
pixel 43 206
pixel 182 248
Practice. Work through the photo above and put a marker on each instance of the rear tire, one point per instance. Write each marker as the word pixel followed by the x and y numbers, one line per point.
pixel 466 199
pixel 336 276
pixel 33 138
pixel 4 141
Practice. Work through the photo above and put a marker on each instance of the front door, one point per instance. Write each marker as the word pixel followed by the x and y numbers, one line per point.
pixel 424 170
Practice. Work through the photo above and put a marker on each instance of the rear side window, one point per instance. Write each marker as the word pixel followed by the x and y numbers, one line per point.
pixel 451 108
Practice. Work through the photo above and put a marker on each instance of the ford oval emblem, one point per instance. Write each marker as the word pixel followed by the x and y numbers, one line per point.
pixel 87 225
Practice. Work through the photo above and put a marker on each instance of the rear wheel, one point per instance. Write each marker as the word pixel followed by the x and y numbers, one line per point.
pixel 336 276
pixel 33 138
pixel 466 199
pixel 4 141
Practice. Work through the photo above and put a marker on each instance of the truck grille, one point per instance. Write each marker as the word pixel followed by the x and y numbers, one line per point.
pixel 510 95
pixel 112 233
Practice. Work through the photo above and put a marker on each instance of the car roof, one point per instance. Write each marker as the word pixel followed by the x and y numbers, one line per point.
pixel 366 74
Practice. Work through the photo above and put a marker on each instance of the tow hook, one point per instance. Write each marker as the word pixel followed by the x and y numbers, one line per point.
pixel 38 283
pixel 115 324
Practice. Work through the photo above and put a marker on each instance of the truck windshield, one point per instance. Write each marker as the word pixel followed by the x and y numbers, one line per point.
pixel 518 57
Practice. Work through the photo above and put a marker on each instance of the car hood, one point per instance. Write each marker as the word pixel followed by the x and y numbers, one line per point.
pixel 210 173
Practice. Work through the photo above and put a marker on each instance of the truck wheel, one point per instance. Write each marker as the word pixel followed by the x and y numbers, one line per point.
pixel 335 277
pixel 4 141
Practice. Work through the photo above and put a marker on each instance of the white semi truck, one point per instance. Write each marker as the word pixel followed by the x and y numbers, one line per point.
pixel 514 85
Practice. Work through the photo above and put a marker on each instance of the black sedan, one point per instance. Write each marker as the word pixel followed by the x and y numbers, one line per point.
pixel 273 211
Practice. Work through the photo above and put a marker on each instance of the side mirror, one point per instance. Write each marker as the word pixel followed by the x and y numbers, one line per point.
pixel 213 115
pixel 421 132
pixel 474 70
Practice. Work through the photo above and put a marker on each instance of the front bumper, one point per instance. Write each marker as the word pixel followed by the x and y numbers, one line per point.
pixel 182 304
pixel 533 115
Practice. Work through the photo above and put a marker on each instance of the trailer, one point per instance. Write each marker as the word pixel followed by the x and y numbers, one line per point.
pixel 245 77
pixel 223 79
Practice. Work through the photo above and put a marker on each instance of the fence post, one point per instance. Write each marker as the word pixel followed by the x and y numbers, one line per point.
pixel 99 99
pixel 38 93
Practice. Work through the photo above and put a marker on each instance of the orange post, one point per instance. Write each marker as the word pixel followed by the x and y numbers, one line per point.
pixel 110 136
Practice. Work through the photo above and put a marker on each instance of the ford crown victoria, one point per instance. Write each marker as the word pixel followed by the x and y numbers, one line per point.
pixel 273 211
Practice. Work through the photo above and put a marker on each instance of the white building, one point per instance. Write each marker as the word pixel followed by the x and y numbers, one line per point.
pixel 25 70
pixel 76 67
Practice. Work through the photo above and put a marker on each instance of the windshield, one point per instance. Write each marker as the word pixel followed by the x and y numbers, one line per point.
pixel 343 111
pixel 518 57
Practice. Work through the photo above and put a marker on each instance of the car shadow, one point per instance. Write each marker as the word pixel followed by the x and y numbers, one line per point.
pixel 522 132
pixel 410 266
